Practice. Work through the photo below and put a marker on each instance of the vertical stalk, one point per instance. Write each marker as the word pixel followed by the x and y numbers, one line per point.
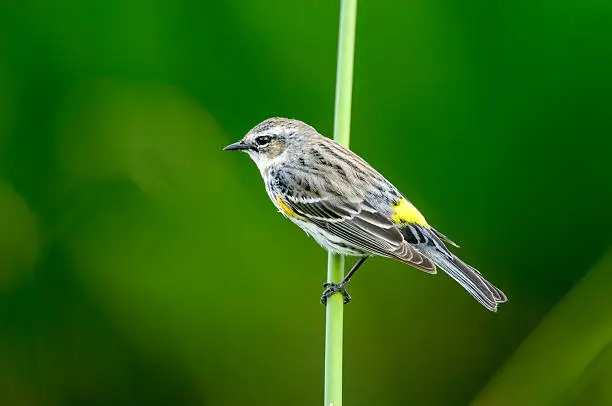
pixel 344 74
pixel 334 324
pixel 335 265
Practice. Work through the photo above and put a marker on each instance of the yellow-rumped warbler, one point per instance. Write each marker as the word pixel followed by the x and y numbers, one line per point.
pixel 348 207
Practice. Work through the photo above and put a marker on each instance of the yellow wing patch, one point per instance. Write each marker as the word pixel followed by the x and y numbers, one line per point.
pixel 405 212
pixel 286 209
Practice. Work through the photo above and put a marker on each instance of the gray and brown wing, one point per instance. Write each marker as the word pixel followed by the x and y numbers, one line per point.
pixel 361 225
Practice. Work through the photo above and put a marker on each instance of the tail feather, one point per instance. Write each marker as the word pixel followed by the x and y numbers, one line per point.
pixel 443 237
pixel 500 297
pixel 427 242
pixel 471 280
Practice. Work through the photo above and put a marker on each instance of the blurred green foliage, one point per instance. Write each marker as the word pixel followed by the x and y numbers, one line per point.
pixel 141 265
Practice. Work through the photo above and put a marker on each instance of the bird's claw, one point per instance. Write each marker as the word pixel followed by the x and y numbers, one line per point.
pixel 331 288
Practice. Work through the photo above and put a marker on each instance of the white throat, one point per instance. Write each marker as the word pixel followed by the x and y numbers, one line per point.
pixel 262 161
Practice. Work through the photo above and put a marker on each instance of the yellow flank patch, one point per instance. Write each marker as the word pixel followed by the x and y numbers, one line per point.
pixel 286 209
pixel 405 212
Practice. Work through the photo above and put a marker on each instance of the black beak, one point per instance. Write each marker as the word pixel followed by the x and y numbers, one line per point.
pixel 237 146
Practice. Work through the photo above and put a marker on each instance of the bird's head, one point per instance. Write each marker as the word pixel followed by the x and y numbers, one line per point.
pixel 270 138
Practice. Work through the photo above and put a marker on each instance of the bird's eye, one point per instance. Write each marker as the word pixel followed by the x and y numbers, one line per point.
pixel 262 140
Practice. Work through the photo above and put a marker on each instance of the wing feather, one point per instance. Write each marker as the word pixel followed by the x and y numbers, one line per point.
pixel 361 225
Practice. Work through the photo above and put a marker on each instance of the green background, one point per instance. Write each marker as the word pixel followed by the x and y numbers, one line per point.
pixel 141 265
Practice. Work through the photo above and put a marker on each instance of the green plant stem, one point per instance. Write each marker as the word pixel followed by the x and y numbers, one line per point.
pixel 334 324
pixel 344 74
pixel 335 268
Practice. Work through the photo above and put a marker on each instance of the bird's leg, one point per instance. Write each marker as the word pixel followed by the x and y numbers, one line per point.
pixel 331 287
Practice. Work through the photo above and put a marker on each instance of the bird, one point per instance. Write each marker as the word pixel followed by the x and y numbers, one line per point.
pixel 349 208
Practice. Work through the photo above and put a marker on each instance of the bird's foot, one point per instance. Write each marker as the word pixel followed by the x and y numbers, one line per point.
pixel 331 288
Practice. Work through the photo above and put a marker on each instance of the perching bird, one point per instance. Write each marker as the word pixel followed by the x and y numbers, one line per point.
pixel 348 207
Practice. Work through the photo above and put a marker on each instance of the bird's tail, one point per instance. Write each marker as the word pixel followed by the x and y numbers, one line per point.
pixel 471 280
